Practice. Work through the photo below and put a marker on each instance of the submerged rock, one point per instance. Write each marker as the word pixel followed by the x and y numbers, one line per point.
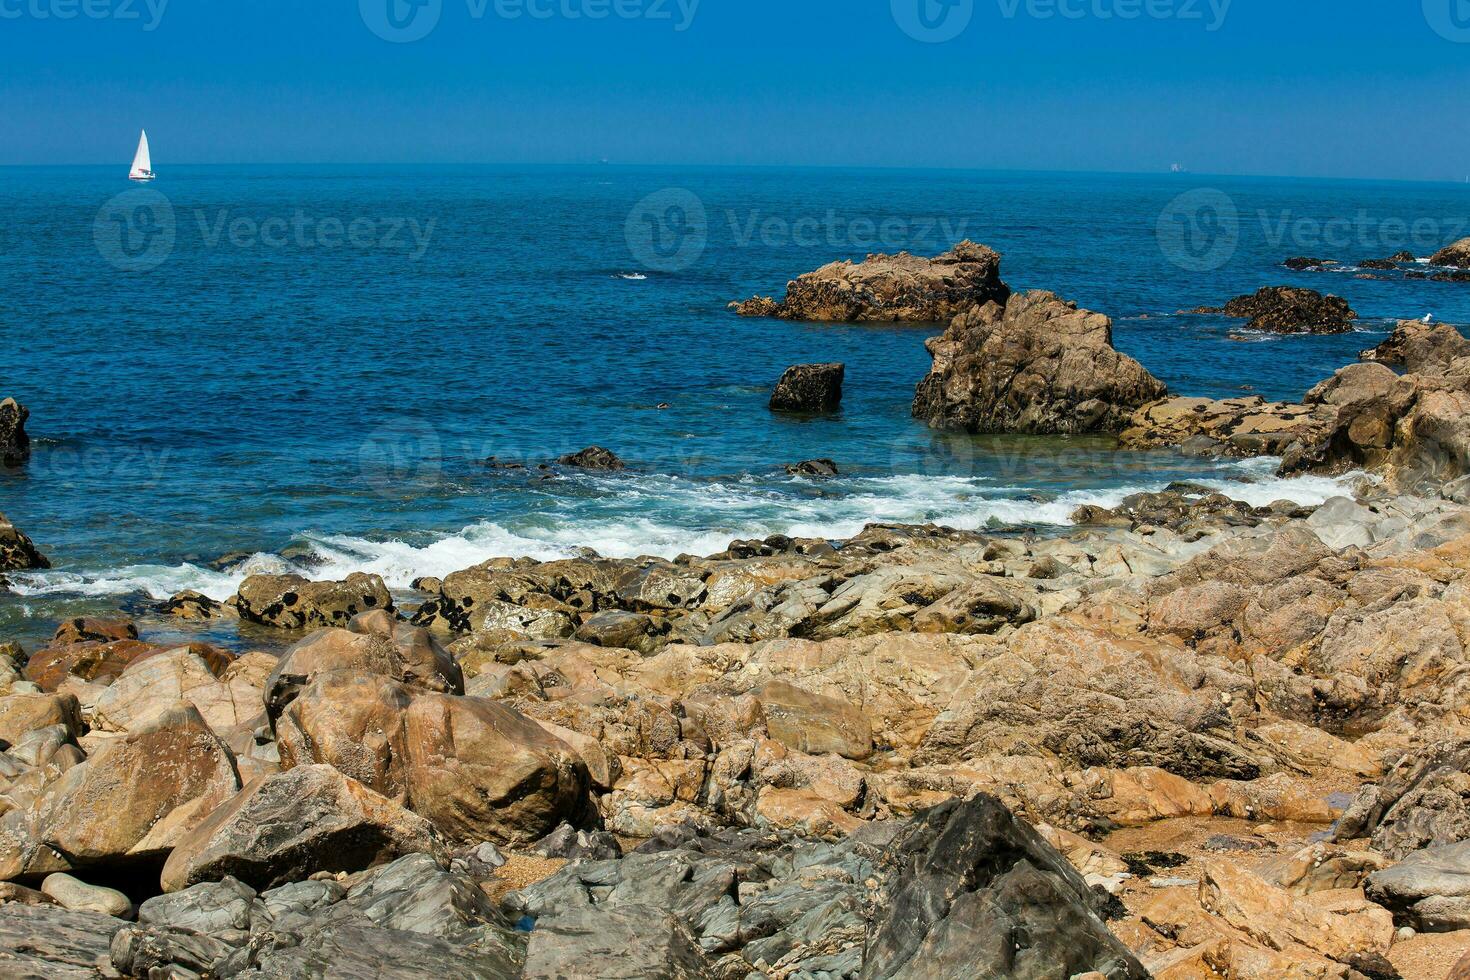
pixel 15 445
pixel 1038 365
pixel 818 468
pixel 594 458
pixel 809 388
pixel 890 289
pixel 18 552
pixel 1289 309
pixel 1302 263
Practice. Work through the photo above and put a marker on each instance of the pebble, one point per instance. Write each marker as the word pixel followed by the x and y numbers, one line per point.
pixel 79 896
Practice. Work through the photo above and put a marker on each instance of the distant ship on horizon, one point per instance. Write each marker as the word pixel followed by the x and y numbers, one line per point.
pixel 1178 168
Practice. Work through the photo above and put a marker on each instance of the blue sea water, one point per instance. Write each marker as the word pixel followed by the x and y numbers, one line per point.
pixel 249 368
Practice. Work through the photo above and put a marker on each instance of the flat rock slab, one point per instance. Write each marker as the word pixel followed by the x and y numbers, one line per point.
pixel 39 942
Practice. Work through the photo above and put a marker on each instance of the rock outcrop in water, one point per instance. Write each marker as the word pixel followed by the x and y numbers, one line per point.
pixel 1038 365
pixel 1289 309
pixel 18 552
pixel 15 445
pixel 1456 254
pixel 594 458
pixel 890 288
pixel 809 388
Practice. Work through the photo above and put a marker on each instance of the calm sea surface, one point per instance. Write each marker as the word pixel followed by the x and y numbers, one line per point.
pixel 240 369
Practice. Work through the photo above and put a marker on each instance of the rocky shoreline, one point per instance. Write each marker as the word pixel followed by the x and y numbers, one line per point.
pixel 1187 738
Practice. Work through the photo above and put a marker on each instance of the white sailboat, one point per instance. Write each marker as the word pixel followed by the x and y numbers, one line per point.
pixel 142 161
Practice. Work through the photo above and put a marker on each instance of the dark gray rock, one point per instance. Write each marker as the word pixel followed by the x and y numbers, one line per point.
pixel 1422 802
pixel 45 942
pixel 809 388
pixel 974 892
pixel 626 943
pixel 570 844
pixel 211 908
pixel 138 951
pixel 354 952
pixel 1429 890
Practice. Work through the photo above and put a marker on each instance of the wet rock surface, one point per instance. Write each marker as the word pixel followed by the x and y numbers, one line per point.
pixel 15 444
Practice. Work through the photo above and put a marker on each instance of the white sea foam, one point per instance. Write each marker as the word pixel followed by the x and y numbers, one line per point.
pixel 666 516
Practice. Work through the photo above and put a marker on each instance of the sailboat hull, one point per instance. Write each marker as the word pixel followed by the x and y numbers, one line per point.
pixel 141 178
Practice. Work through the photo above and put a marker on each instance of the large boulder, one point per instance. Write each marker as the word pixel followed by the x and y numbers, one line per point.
pixel 1290 309
pixel 477 769
pixel 18 552
pixel 890 288
pixel 1423 801
pixel 1456 254
pixel 973 891
pixel 1419 347
pixel 1037 365
pixel 137 796
pixel 289 826
pixel 1428 890
pixel 808 388
pixel 227 694
pixel 626 943
pixel 407 654
pixel 98 662
pixel 293 602
pixel 594 458
pixel 15 445
pixel 22 713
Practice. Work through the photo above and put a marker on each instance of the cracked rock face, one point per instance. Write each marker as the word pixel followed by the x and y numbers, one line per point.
pixel 1038 365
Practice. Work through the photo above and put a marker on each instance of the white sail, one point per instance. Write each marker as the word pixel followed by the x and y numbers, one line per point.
pixel 142 161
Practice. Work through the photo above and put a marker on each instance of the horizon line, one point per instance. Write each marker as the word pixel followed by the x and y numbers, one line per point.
pixel 766 166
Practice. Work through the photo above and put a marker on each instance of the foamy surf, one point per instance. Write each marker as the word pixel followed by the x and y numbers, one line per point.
pixel 666 516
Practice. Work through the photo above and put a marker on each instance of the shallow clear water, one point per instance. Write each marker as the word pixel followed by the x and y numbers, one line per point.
pixel 323 356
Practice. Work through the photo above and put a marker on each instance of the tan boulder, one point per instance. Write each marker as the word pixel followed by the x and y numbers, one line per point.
pixel 137 795
pixel 21 713
pixel 804 812
pixel 814 723
pixel 408 655
pixel 153 685
pixel 1277 919
pixel 477 769
pixel 90 661
pixel 287 827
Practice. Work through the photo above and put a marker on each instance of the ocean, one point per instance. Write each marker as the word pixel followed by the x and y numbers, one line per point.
pixel 240 369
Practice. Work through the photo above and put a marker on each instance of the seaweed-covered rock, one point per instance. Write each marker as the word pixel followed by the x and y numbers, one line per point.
pixel 1289 309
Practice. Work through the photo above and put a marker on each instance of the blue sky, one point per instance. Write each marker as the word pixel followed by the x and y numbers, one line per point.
pixel 1351 88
